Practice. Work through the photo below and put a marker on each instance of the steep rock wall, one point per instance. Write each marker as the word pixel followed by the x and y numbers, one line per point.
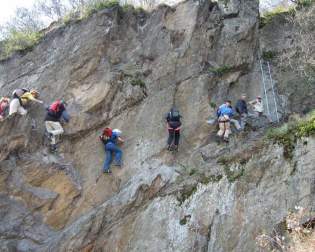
pixel 125 69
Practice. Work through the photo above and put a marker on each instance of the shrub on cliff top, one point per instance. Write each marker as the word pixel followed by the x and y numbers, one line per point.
pixel 19 41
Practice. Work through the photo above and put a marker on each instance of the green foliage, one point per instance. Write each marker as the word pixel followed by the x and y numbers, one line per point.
pixel 268 55
pixel 232 176
pixel 289 133
pixel 213 105
pixel 186 194
pixel 184 220
pixel 94 6
pixel 220 71
pixel 208 179
pixel 137 82
pixel 269 16
pixel 304 3
pixel 20 41
pixel 192 172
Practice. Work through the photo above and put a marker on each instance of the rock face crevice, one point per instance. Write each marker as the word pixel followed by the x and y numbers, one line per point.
pixel 126 69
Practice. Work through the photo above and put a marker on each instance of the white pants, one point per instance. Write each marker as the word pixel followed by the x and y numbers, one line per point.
pixel 224 129
pixel 15 107
pixel 55 129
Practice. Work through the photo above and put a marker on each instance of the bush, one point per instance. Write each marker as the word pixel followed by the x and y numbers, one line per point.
pixel 20 41
pixel 289 133
pixel 297 235
pixel 220 71
pixel 96 5
pixel 137 82
pixel 304 3
pixel 268 55
pixel 268 16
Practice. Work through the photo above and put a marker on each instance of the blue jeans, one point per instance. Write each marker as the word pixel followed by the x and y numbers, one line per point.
pixel 111 148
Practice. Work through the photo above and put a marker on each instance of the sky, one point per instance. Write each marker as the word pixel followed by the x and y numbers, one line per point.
pixel 7 8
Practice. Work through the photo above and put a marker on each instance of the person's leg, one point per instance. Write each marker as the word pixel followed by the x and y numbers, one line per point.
pixel 50 130
pixel 57 128
pixel 236 124
pixel 170 136
pixel 243 120
pixel 118 155
pixel 227 131
pixel 177 136
pixel 108 160
pixel 221 129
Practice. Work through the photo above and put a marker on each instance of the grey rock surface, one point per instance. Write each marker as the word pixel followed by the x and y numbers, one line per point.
pixel 125 70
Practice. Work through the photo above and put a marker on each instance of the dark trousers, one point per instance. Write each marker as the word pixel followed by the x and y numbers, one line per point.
pixel 172 133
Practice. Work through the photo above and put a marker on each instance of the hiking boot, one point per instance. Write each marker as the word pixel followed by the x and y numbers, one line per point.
pixel 169 147
pixel 175 148
pixel 225 139
pixel 107 172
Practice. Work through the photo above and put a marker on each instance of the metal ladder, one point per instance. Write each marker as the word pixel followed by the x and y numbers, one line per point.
pixel 269 90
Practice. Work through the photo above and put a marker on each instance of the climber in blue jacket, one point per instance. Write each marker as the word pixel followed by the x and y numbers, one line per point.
pixel 224 114
pixel 111 147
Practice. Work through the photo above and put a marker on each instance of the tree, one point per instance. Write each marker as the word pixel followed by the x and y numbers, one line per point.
pixel 52 9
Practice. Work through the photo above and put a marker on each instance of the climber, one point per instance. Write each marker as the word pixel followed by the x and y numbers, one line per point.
pixel 258 106
pixel 224 113
pixel 241 109
pixel 55 113
pixel 21 97
pixel 111 139
pixel 173 124
pixel 4 104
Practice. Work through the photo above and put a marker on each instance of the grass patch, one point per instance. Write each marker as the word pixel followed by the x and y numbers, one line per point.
pixel 95 6
pixel 192 172
pixel 184 220
pixel 267 17
pixel 232 175
pixel 20 42
pixel 208 179
pixel 220 71
pixel 137 82
pixel 288 134
pixel 186 194
pixel 268 55
pixel 304 3
pixel 213 105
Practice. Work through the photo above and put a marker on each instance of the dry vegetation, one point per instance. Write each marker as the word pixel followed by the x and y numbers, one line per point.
pixel 299 235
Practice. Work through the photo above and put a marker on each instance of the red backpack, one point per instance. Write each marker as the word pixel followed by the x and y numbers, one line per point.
pixel 106 135
pixel 55 107
pixel 107 132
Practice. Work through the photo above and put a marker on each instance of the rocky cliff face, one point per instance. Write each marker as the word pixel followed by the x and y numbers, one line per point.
pixel 126 69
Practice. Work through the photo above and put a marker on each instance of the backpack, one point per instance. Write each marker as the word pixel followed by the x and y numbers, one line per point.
pixel 174 115
pixel 106 135
pixel 107 132
pixel 55 107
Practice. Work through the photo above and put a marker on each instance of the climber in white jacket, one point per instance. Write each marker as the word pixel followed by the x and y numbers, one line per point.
pixel 258 106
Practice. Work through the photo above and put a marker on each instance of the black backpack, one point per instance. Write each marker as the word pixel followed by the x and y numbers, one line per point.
pixel 174 115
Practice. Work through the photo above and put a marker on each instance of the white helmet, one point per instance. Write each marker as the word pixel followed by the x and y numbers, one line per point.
pixel 117 132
